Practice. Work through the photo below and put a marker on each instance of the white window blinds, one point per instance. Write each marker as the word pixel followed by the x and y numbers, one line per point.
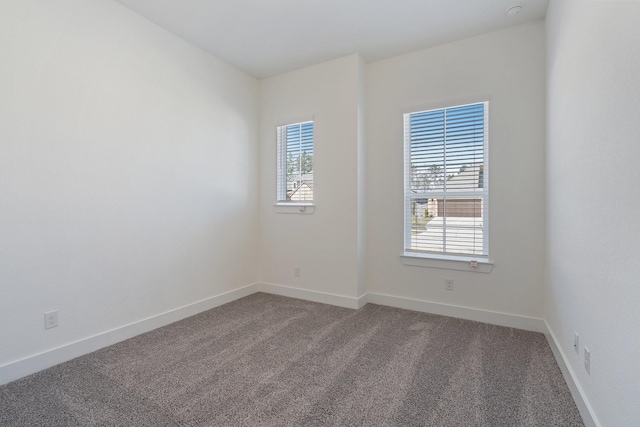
pixel 295 163
pixel 446 181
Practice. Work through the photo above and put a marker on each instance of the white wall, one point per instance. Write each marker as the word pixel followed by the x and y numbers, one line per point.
pixel 128 178
pixel 508 66
pixel 324 244
pixel 127 172
pixel 362 181
pixel 593 244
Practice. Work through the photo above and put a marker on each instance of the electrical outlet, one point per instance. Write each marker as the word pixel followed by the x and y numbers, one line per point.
pixel 51 319
pixel 576 343
pixel 587 360
pixel 448 284
pixel 296 271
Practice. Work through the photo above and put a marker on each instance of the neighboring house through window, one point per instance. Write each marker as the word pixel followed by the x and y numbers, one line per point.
pixel 295 163
pixel 446 181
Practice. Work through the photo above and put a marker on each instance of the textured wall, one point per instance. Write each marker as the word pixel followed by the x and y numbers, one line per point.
pixel 127 173
pixel 324 244
pixel 507 66
pixel 593 199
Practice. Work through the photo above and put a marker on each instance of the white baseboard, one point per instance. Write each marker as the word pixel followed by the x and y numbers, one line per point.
pixel 494 318
pixel 32 364
pixel 584 407
pixel 315 296
pixel 468 313
pixel 363 300
pixel 37 362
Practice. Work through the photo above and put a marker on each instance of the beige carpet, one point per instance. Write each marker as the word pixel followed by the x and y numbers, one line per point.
pixel 266 360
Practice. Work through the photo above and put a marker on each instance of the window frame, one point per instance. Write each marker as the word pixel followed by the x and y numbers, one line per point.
pixel 282 205
pixel 450 260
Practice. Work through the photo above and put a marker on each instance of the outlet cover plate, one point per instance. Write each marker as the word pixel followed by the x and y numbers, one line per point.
pixel 448 284
pixel 51 319
pixel 587 360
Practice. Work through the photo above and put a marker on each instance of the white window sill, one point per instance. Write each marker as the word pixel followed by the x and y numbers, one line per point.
pixel 446 262
pixel 290 208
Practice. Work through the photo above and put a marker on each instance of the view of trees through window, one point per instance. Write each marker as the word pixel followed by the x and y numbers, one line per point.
pixel 295 151
pixel 446 195
pixel 299 163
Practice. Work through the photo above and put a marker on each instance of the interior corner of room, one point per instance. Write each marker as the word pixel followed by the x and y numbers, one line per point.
pixel 138 185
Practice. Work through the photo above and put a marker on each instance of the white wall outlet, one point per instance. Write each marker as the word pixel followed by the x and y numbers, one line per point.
pixel 296 271
pixel 587 360
pixel 448 284
pixel 51 319
pixel 576 343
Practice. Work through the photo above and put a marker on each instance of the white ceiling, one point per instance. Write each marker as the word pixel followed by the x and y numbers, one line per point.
pixel 269 37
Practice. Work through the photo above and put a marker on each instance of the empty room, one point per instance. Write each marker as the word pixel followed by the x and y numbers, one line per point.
pixel 287 212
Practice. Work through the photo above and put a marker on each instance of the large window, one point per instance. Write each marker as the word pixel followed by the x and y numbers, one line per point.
pixel 295 163
pixel 446 181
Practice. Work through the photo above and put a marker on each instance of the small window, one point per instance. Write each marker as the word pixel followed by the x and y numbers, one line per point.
pixel 446 181
pixel 295 163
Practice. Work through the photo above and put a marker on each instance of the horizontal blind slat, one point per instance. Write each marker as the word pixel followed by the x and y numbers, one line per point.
pixel 446 172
